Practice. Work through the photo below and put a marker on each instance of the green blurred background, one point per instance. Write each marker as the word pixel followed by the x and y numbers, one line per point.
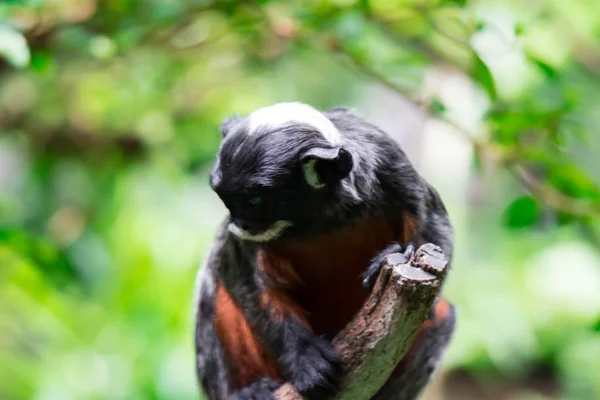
pixel 109 117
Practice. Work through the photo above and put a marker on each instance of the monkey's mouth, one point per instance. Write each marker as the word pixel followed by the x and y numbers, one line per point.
pixel 271 233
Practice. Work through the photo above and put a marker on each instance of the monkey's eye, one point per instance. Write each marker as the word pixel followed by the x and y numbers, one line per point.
pixel 254 201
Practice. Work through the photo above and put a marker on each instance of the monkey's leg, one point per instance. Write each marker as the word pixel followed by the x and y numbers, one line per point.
pixel 415 370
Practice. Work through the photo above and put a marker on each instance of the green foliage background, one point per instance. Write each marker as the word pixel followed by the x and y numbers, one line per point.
pixel 109 122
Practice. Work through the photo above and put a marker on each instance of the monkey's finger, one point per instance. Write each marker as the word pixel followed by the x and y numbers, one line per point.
pixel 409 251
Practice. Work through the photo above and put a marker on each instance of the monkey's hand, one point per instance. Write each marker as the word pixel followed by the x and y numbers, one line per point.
pixel 259 390
pixel 369 276
pixel 314 367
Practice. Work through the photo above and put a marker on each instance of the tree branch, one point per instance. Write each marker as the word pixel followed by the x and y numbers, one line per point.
pixel 378 337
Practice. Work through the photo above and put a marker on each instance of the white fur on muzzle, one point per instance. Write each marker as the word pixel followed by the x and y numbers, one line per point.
pixel 273 232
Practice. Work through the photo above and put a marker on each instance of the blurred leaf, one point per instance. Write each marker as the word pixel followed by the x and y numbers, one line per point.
pixel 52 261
pixel 350 25
pixel 571 180
pixel 563 218
pixel 28 3
pixel 482 74
pixel 480 25
pixel 477 161
pixel 454 2
pixel 364 5
pixel 13 46
pixel 42 61
pixel 523 212
pixel 437 108
pixel 519 29
pixel 545 68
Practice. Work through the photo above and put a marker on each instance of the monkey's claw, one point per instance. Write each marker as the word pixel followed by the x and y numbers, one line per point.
pixel 409 251
pixel 369 276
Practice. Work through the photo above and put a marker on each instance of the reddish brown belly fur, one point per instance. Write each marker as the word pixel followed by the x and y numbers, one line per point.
pixel 323 275
pixel 317 281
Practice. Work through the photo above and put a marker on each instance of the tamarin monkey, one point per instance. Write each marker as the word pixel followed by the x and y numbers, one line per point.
pixel 316 202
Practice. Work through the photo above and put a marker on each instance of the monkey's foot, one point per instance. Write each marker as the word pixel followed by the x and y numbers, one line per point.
pixel 369 276
pixel 259 390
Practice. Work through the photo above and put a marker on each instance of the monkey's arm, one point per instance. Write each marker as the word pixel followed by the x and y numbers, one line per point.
pixel 393 334
pixel 260 333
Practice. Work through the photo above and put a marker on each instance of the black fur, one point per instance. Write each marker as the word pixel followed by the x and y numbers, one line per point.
pixel 330 335
pixel 269 165
pixel 259 390
pixel 261 180
pixel 309 361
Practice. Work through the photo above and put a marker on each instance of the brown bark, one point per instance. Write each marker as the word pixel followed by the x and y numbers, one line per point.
pixel 373 343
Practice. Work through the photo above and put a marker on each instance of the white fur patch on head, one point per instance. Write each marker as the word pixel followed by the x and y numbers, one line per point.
pixel 283 113
pixel 273 232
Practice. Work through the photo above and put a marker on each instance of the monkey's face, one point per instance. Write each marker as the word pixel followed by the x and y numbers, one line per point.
pixel 277 183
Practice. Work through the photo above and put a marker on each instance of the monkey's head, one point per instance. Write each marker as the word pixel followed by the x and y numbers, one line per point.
pixel 279 171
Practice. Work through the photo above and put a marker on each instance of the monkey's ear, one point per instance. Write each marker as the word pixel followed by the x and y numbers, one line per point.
pixel 229 124
pixel 324 166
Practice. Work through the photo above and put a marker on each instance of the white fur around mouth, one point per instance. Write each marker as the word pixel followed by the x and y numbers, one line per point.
pixel 273 232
